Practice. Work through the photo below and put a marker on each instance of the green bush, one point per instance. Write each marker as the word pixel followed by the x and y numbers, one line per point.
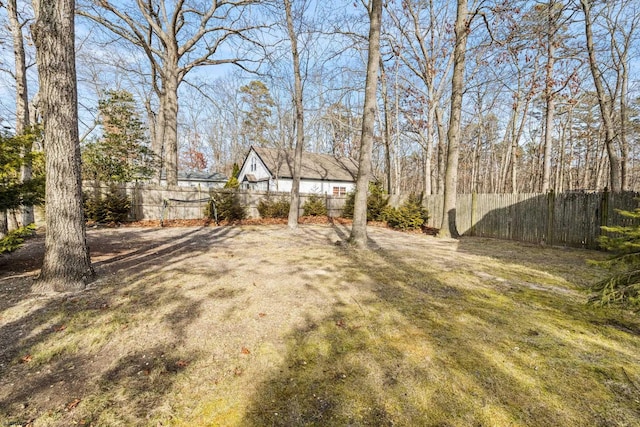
pixel 270 207
pixel 622 286
pixel 410 216
pixel 116 207
pixel 314 206
pixel 377 202
pixel 113 207
pixel 15 238
pixel 347 210
pixel 227 206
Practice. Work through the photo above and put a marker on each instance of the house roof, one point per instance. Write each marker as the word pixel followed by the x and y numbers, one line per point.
pixel 201 176
pixel 252 178
pixel 314 166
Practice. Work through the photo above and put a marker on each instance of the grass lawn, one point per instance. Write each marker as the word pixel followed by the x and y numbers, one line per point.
pixel 256 326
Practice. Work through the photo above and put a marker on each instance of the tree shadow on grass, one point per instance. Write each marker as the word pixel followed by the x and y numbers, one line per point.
pixel 66 360
pixel 422 351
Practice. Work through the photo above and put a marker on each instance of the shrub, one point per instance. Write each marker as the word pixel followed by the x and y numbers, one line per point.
pixel 410 216
pixel 347 210
pixel 377 202
pixel 15 238
pixel 114 207
pixel 314 206
pixel 274 207
pixel 227 206
pixel 622 287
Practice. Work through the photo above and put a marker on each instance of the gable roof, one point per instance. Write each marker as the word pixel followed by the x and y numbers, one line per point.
pixel 314 166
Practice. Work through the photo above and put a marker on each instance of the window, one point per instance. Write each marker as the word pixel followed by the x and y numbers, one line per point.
pixel 254 164
pixel 339 191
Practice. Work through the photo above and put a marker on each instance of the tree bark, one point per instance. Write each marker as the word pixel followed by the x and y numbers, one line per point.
pixel 448 226
pixel 294 206
pixel 170 124
pixel 358 235
pixel 387 127
pixel 442 143
pixel 66 265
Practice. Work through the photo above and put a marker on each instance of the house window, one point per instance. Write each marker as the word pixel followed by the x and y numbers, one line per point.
pixel 339 191
pixel 254 164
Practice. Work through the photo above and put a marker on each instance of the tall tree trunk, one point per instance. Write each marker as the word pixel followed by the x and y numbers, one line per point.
pixel 387 127
pixel 448 226
pixel 604 102
pixel 442 143
pixel 549 97
pixel 358 235
pixel 22 98
pixel 66 265
pixel 294 206
pixel 624 117
pixel 170 123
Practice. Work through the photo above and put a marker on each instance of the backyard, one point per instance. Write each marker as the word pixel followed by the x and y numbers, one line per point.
pixel 254 325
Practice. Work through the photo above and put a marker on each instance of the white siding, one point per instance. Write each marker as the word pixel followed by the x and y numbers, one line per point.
pixel 254 166
pixel 312 186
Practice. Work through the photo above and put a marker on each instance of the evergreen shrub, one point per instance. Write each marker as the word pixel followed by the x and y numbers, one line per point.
pixel 314 206
pixel 377 202
pixel 113 207
pixel 410 216
pixel 274 207
pixel 227 206
pixel 622 286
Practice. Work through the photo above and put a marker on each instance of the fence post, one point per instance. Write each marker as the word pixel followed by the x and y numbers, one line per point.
pixel 551 204
pixel 474 209
pixel 604 209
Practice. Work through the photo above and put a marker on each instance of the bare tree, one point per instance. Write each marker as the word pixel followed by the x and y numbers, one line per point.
pixel 66 265
pixel 174 42
pixel 22 95
pixel 294 206
pixel 605 101
pixel 424 49
pixel 358 235
pixel 448 226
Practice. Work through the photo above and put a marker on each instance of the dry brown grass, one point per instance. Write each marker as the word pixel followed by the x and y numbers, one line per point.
pixel 254 325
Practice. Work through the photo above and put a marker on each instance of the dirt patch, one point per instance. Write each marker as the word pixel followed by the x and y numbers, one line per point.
pixel 257 325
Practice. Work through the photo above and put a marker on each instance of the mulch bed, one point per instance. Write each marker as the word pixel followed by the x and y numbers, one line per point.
pixel 205 222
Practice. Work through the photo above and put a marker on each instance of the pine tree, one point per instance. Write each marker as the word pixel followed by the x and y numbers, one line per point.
pixel 257 118
pixel 122 154
pixel 622 286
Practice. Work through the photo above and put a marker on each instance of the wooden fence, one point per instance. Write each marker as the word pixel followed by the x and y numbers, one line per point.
pixel 566 219
pixel 153 202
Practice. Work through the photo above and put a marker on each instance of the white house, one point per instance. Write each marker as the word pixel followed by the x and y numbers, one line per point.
pixel 271 169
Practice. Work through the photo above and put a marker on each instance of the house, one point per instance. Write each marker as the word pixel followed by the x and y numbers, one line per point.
pixel 199 179
pixel 271 169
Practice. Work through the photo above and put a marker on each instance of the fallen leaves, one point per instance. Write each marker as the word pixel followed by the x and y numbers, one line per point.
pixel 59 328
pixel 245 350
pixel 26 359
pixel 182 363
pixel 71 405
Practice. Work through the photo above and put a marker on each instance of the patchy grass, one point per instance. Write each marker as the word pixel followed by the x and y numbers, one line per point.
pixel 248 325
